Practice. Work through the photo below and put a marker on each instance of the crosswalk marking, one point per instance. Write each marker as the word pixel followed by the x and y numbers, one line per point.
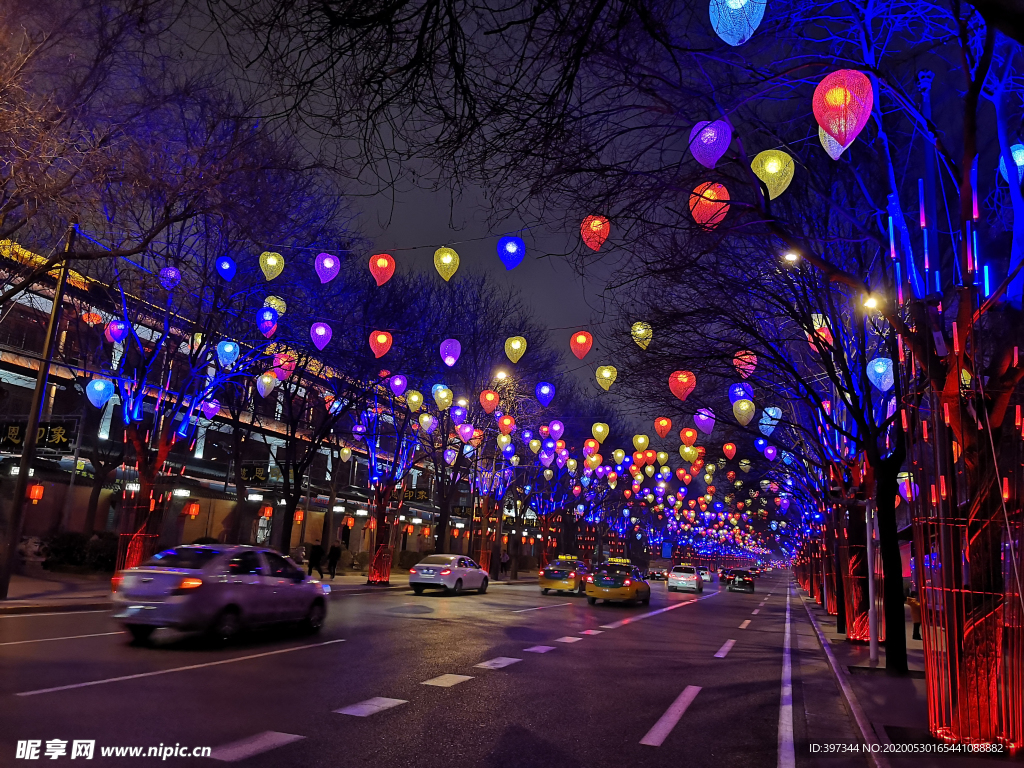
pixel 539 649
pixel 253 745
pixel 755 612
pixel 745 624
pixel 725 649
pixel 446 681
pixel 497 662
pixel 667 721
pixel 370 706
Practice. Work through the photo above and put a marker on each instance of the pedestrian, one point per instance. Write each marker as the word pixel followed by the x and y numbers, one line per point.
pixel 333 556
pixel 915 614
pixel 504 561
pixel 316 555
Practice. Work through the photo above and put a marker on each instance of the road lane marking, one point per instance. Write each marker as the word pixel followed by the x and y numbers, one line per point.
pixel 725 649
pixel 176 669
pixel 49 613
pixel 67 637
pixel 638 617
pixel 668 721
pixel 568 639
pixel 254 745
pixel 591 632
pixel 539 649
pixel 540 607
pixel 497 663
pixel 446 681
pixel 755 612
pixel 745 624
pixel 787 751
pixel 370 706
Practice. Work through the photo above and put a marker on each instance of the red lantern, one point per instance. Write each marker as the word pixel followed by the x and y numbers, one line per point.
pixel 709 203
pixel 688 436
pixel 299 515
pixel 559 446
pixel 349 522
pixel 455 533
pixel 544 430
pixel 650 455
pixel 729 450
pixel 842 104
pixel 191 509
pixel 682 383
pixel 266 511
pixel 92 318
pixel 35 492
pixel 506 424
pixel 662 426
pixel 680 474
pixel 594 231
pixel 639 459
pixel 627 493
pixel 489 400
pixel 382 267
pixel 380 343
pixel 580 343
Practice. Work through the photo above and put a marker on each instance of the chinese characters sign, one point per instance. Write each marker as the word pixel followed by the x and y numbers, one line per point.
pixel 57 436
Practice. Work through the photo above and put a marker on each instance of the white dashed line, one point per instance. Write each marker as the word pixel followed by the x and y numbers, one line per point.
pixel 446 681
pixel 667 721
pixel 539 649
pixel 787 749
pixel 370 706
pixel 68 637
pixel 755 612
pixel 31 615
pixel 591 632
pixel 568 639
pixel 254 745
pixel 745 624
pixel 725 649
pixel 540 607
pixel 631 619
pixel 497 662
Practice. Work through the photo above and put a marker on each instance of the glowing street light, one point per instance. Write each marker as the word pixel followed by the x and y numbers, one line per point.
pixel 870 302
pixel 792 257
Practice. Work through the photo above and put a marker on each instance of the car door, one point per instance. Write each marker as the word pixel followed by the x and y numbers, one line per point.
pixel 479 575
pixel 249 586
pixel 469 577
pixel 289 602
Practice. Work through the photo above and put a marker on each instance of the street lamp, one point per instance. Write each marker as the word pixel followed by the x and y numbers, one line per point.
pixel 501 375
pixel 792 257
pixel 870 302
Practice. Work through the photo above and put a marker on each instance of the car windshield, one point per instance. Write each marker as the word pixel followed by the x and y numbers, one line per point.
pixel 189 558
pixel 687 569
pixel 616 570
pixel 563 564
pixel 740 574
pixel 437 560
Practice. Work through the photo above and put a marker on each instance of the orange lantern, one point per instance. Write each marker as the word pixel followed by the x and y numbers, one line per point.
pixel 380 343
pixel 35 492
pixel 662 425
pixel 504 539
pixel 266 511
pixel 580 343
pixel 455 533
pixel 299 515
pixel 489 400
pixel 191 509
pixel 349 522
pixel 709 203
pixel 425 531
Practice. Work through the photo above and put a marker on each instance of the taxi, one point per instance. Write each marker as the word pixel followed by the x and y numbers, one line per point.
pixel 617 579
pixel 565 574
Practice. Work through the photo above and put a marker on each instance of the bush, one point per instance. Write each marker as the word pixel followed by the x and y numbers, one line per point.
pixel 101 552
pixel 408 559
pixel 65 549
pixel 362 560
pixel 345 562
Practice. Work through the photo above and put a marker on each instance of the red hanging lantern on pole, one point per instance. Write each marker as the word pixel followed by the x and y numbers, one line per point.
pixel 842 104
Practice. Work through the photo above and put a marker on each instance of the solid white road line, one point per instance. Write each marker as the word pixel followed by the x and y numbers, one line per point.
pixel 539 649
pixel 446 681
pixel 497 663
pixel 568 639
pixel 254 745
pixel 370 706
pixel 591 632
pixel 68 637
pixel 667 721
pixel 176 669
pixel 49 613
pixel 540 607
pixel 755 612
pixel 745 624
pixel 725 649
pixel 787 751
pixel 638 617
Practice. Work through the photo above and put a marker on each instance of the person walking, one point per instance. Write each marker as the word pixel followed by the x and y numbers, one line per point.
pixel 504 561
pixel 915 614
pixel 316 555
pixel 333 556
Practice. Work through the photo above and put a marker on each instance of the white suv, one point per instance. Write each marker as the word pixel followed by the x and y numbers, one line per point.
pixel 685 578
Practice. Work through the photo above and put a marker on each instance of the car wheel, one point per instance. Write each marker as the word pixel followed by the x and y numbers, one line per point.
pixel 457 588
pixel 646 600
pixel 315 616
pixel 544 591
pixel 140 632
pixel 581 590
pixel 483 586
pixel 592 600
pixel 417 589
pixel 227 624
pixel 671 589
pixel 700 588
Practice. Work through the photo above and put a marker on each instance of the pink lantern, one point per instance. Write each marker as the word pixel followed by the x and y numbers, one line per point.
pixel 450 351
pixel 210 408
pixel 842 104
pixel 709 141
pixel 556 429
pixel 284 365
pixel 465 432
pixel 327 266
pixel 320 333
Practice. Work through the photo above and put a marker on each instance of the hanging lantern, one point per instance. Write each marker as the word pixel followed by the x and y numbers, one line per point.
pixel 489 400
pixel 277 303
pixel 842 104
pixel 327 266
pixel 413 400
pixel 443 398
pixel 506 424
pixel 771 452
pixel 266 321
pixel 831 146
pixel 398 384
pixel 458 414
pixel 380 343
pixel 736 20
pixel 1017 153
pixel 662 426
pixel 642 334
pixel 688 453
pixel 729 449
pixel 535 445
pixel 769 420
pixel 99 391
pixel 775 168
pixel 606 375
pixel 704 418
pixel 272 264
pixel 682 383
pixel 284 365
pixel 169 278
pixel 599 430
pixel 210 408
pixel 515 348
pixel 557 429
pixel 545 393
pixel 265 384
pixel 709 203
pixel 116 331
pixel 227 353
pixel 450 351
pixel 450 455
pixel 743 410
pixel 709 141
pixel 580 343
pixel 382 267
pixel 688 436
pixel 226 267
pixel 594 231
pixel 446 262
pixel 745 362
pixel 427 423
pixel 511 251
pixel 740 391
pixel 320 333
pixel 880 374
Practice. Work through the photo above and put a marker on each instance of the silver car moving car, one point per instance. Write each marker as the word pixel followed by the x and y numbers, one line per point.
pixel 452 573
pixel 216 588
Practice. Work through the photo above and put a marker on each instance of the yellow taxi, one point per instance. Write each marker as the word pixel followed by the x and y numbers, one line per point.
pixel 565 574
pixel 617 579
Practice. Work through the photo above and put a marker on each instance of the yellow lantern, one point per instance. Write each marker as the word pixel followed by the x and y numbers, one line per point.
pixel 414 400
pixel 426 422
pixel 504 440
pixel 277 303
pixel 649 470
pixel 514 461
pixel 618 455
pixel 612 483
pixel 606 375
pixel 571 465
pixel 689 453
pixel 446 262
pixel 640 442
pixel 443 397
pixel 345 453
pixel 743 410
pixel 599 431
pixel 272 264
pixel 535 445
pixel 642 333
pixel 663 458
pixel 593 461
pixel 775 168
pixel 744 465
pixel 548 474
pixel 515 348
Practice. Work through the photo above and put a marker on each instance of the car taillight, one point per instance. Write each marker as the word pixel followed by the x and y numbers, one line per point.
pixel 188 584
pixel 626 583
pixel 115 582
pixel 412 570
pixel 446 571
pixel 572 574
pixel 590 579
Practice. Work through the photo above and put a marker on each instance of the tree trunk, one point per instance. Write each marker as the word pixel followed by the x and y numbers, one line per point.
pixel 94 500
pixel 886 489
pixel 441 525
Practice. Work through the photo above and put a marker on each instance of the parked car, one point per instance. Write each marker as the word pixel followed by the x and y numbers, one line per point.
pixel 220 589
pixel 452 573
pixel 685 578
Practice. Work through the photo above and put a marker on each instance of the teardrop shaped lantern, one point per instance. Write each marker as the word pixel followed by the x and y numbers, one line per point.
pixel 398 384
pixel 327 266
pixel 600 431
pixel 265 384
pixel 842 104
pixel 427 423
pixel 662 426
pixel 729 449
pixel 735 21
pixel 277 303
pixel 272 264
pixel 443 398
pixel 709 203
pixel 688 453
pixel 506 424
pixel 594 231
pixel 511 251
pixel 642 334
pixel 771 452
pixel 775 168
pixel 99 391
pixel 534 445
pixel 688 436
pixel 380 343
pixel 382 267
pixel 740 391
pixel 414 400
pixel 227 353
pixel 831 146
pixel 880 374
pixel 682 383
pixel 606 375
pixel 210 408
pixel 450 455
pixel 743 410
pixel 116 331
pixel 557 429
pixel 545 393
pixel 450 351
pixel 169 278
pixel 320 333
pixel 226 267
pixel 769 420
pixel 640 442
pixel 1017 153
pixel 458 414
pixel 515 348
pixel 580 344
pixel 489 400
pixel 709 140
pixel 266 321
pixel 704 418
pixel 446 262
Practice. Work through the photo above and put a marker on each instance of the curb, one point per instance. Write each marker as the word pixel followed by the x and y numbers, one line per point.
pixel 59 608
pixel 867 732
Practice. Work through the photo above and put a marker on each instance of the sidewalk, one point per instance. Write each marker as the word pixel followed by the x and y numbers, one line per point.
pixel 56 592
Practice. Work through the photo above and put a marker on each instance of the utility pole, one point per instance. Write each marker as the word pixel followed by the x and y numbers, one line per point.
pixel 9 546
pixel 872 608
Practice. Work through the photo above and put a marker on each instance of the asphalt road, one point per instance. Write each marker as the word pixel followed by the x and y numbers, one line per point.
pixel 689 680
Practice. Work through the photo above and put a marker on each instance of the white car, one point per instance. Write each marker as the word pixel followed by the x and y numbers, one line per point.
pixel 705 574
pixel 452 573
pixel 685 578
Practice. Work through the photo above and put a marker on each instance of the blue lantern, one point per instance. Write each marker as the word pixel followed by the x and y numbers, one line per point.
pixel 227 353
pixel 99 391
pixel 458 414
pixel 760 444
pixel 527 436
pixel 735 21
pixel 880 373
pixel 769 419
pixel 226 267
pixel 511 251
pixel 266 319
pixel 545 393
pixel 741 391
